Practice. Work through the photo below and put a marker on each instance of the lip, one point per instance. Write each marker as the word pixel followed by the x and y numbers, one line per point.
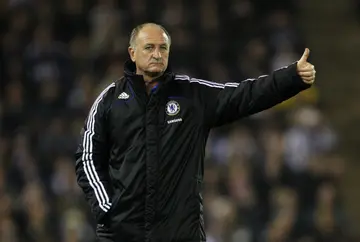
pixel 156 64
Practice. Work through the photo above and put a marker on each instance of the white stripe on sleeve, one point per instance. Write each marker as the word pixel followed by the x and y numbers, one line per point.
pixel 200 81
pixel 207 83
pixel 87 157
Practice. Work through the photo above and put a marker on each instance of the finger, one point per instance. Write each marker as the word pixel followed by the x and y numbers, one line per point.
pixel 305 68
pixel 307 74
pixel 309 70
pixel 308 79
pixel 305 55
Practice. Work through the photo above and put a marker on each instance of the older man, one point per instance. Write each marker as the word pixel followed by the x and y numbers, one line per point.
pixel 140 160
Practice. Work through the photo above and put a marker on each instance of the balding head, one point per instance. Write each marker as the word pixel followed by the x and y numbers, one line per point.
pixel 149 49
pixel 135 32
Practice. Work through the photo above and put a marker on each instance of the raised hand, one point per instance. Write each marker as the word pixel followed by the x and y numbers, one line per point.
pixel 305 69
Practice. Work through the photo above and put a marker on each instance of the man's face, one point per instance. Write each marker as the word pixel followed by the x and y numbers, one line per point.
pixel 151 51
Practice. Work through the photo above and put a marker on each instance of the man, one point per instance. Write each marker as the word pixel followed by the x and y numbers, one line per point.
pixel 140 160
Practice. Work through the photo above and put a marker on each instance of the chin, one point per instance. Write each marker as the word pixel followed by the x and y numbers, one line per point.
pixel 154 73
pixel 156 69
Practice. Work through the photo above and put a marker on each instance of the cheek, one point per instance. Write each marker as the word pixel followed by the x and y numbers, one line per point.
pixel 145 57
pixel 141 58
pixel 166 57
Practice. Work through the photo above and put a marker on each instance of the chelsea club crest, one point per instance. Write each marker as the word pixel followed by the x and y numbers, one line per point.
pixel 172 108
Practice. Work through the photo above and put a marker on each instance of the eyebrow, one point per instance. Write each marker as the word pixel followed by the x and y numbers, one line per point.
pixel 152 44
pixel 156 44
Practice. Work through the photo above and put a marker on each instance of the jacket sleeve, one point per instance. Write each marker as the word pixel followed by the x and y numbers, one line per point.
pixel 225 103
pixel 92 158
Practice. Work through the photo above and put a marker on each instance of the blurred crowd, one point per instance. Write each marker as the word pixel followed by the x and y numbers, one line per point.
pixel 357 7
pixel 273 177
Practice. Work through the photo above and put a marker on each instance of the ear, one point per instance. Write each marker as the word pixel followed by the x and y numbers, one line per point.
pixel 131 51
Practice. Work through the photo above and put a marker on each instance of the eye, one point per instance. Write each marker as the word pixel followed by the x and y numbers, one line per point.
pixel 148 47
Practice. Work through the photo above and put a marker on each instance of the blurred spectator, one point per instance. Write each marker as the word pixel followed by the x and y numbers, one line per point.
pixel 269 178
pixel 357 7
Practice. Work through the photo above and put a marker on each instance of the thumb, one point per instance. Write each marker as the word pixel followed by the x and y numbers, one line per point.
pixel 305 56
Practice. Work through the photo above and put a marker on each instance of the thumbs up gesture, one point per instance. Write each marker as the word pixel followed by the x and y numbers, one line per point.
pixel 306 70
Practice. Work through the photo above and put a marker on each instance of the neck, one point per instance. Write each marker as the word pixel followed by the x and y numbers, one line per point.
pixel 148 79
pixel 147 75
pixel 150 86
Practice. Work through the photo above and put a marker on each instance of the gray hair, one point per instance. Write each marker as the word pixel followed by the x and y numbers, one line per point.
pixel 137 29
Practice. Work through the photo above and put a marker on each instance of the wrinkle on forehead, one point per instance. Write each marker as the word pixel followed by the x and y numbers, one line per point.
pixel 153 35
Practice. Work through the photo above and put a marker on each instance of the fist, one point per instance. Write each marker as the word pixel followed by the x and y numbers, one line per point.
pixel 306 70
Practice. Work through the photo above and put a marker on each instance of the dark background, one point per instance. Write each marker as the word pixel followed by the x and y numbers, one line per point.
pixel 277 176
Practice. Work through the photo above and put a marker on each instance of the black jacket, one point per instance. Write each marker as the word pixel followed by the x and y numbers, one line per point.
pixel 140 160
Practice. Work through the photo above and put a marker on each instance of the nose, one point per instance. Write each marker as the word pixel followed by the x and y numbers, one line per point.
pixel 157 54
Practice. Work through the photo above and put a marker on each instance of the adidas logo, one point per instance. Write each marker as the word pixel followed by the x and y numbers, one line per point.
pixel 123 95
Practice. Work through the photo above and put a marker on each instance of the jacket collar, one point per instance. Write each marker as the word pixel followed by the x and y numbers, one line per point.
pixel 138 81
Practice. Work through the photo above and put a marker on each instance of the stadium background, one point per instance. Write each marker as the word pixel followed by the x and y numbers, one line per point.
pixel 288 174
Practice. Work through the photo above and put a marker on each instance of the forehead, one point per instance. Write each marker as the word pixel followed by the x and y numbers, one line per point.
pixel 152 35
